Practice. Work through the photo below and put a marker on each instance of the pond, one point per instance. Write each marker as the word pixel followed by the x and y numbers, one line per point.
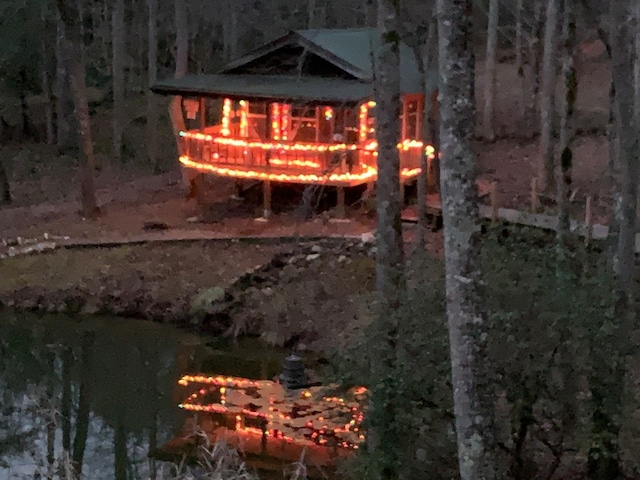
pixel 103 389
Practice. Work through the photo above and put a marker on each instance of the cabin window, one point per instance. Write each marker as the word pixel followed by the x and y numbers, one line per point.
pixel 371 123
pixel 411 119
pixel 257 120
pixel 303 126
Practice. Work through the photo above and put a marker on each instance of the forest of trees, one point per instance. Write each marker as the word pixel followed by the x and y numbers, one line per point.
pixel 537 371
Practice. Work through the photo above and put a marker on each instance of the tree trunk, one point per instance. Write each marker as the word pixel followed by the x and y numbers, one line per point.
pixel 152 67
pixel 72 46
pixel 63 128
pixel 519 47
pixel 535 52
pixel 5 190
pixel 547 110
pixel 472 394
pixel 370 13
pixel 490 71
pixel 182 60
pixel 425 63
pixel 48 94
pixel 623 59
pixel 570 90
pixel 390 282
pixel 117 73
pixel 230 31
pixel 120 452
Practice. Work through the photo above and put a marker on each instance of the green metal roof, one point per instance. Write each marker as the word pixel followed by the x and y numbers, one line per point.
pixel 351 50
pixel 358 47
pixel 305 89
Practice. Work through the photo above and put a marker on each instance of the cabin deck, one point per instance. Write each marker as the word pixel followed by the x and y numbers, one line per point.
pixel 339 165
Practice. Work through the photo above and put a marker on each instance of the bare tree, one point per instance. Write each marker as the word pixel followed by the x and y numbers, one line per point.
pixel 152 67
pixel 546 154
pixel 519 47
pixel 5 190
pixel 72 46
pixel 473 398
pixel 570 91
pixel 117 68
pixel 390 280
pixel 623 58
pixel 490 71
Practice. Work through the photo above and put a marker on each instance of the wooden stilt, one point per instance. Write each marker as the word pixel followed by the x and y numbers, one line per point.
pixel 238 189
pixel 340 209
pixel 199 186
pixel 266 199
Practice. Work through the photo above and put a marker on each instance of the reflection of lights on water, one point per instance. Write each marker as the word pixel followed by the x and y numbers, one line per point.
pixel 278 420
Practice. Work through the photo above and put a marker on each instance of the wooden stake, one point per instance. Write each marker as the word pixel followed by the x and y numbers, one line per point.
pixel 588 221
pixel 266 199
pixel 494 202
pixel 340 210
pixel 534 195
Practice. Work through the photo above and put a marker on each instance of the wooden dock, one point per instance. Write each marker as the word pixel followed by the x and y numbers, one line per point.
pixel 519 217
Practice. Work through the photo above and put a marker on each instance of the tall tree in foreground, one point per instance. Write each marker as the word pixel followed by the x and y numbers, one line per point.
pixel 473 399
pixel 490 73
pixel 152 67
pixel 546 154
pixel 118 44
pixel 72 47
pixel 570 92
pixel 623 58
pixel 390 282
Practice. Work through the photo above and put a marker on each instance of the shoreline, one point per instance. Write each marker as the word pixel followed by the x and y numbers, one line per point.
pixel 123 281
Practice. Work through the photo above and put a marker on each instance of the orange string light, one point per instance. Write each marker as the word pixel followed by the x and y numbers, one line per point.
pixel 226 114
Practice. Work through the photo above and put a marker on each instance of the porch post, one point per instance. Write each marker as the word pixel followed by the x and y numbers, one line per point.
pixel 340 209
pixel 266 199
pixel 202 115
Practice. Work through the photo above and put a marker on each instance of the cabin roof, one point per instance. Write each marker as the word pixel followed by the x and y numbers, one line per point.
pixel 260 87
pixel 320 64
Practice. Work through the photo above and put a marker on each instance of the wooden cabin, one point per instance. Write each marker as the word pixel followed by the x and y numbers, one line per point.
pixel 299 110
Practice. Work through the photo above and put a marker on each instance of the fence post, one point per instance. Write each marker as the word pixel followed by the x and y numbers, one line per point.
pixel 494 202
pixel 588 221
pixel 534 195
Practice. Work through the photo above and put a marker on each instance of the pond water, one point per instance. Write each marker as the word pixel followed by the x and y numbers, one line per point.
pixel 104 389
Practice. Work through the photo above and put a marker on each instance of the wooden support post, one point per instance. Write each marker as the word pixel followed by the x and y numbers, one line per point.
pixel 199 185
pixel 494 202
pixel 588 221
pixel 340 209
pixel 201 114
pixel 534 195
pixel 266 199
pixel 239 184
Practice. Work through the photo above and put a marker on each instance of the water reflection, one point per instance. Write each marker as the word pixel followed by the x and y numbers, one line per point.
pixel 103 390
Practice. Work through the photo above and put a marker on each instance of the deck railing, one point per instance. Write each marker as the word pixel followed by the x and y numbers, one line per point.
pixel 290 161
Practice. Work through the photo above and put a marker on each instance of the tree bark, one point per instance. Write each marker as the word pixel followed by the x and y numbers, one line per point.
pixel 152 71
pixel 519 47
pixel 425 62
pixel 5 189
pixel 623 58
pixel 535 52
pixel 63 128
pixel 564 168
pixel 390 281
pixel 490 71
pixel 547 110
pixel 117 73
pixel 72 46
pixel 473 397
